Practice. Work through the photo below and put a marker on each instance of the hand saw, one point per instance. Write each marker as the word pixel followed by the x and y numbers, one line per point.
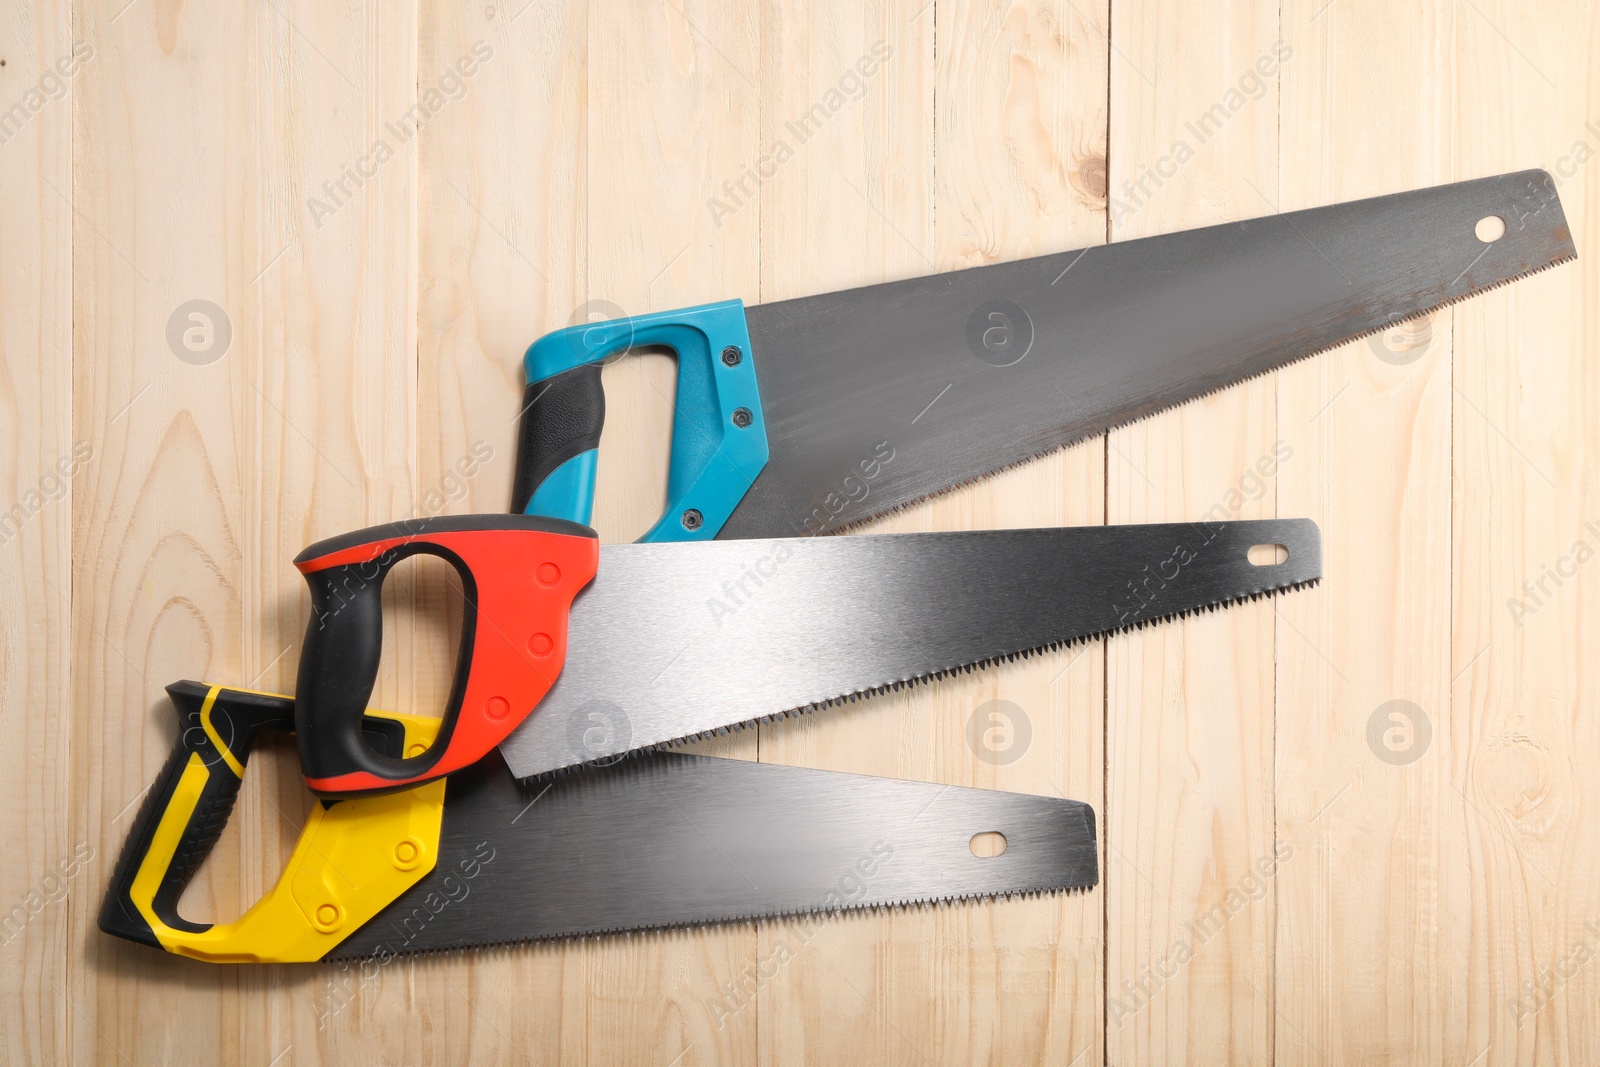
pixel 817 414
pixel 379 869
pixel 664 841
pixel 660 646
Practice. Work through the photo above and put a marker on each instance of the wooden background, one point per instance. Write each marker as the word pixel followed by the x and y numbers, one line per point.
pixel 1432 899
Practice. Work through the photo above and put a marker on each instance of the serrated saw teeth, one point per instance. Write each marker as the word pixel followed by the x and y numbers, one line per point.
pixel 757 922
pixel 716 841
pixel 1138 327
pixel 850 637
pixel 911 683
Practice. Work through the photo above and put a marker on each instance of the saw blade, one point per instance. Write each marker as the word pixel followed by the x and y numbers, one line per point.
pixel 674 641
pixel 877 397
pixel 673 840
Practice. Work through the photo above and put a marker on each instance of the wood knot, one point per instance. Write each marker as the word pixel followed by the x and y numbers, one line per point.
pixel 1516 774
pixel 1089 177
pixel 1402 343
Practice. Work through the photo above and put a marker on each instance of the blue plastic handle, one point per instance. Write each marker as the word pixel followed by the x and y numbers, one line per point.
pixel 719 437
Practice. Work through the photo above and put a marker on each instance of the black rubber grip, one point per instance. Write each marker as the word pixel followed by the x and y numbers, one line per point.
pixel 237 719
pixel 236 724
pixel 562 417
pixel 344 638
pixel 339 665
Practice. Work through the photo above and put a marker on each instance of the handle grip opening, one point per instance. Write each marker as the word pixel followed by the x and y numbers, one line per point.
pixel 315 903
pixel 719 436
pixel 519 574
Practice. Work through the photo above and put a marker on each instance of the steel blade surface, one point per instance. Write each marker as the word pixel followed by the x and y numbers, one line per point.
pixel 678 640
pixel 673 840
pixel 880 396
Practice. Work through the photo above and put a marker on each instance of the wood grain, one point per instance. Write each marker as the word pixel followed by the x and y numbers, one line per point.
pixel 672 105
pixel 1382 898
pixel 1378 865
pixel 1024 984
pixel 51 862
pixel 1524 478
pixel 1189 804
pixel 225 464
pixel 851 990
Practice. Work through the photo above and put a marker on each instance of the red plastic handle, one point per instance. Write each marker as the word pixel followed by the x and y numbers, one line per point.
pixel 519 574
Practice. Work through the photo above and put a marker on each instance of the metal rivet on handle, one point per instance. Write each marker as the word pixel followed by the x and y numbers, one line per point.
pixel 731 356
pixel 407 853
pixel 741 417
pixel 692 519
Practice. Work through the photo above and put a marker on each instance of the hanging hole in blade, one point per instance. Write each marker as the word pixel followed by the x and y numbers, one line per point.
pixel 988 844
pixel 423 606
pixel 635 443
pixel 1268 555
pixel 1490 228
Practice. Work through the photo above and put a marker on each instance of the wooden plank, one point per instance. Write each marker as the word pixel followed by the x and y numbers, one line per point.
pixel 836 213
pixel 1017 982
pixel 496 248
pixel 1526 469
pixel 1369 967
pixel 602 159
pixel 223 161
pixel 1189 814
pixel 1020 170
pixel 51 861
pixel 672 108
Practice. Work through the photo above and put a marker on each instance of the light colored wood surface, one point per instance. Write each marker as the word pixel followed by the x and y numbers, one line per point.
pixel 1436 904
pixel 1371 906
pixel 1190 708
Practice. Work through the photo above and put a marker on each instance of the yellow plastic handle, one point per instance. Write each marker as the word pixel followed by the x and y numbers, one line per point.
pixel 353 859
